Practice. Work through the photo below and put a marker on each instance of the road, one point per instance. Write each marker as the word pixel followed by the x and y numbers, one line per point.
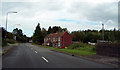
pixel 26 55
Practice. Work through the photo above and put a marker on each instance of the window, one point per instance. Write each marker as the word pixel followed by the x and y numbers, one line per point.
pixel 53 39
pixel 44 40
pixel 58 38
pixel 58 44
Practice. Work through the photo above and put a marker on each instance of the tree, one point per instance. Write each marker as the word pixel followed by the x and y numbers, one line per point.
pixel 49 30
pixel 3 32
pixel 19 35
pixel 4 42
pixel 20 32
pixel 64 30
pixel 56 28
pixel 44 33
pixel 15 31
pixel 37 36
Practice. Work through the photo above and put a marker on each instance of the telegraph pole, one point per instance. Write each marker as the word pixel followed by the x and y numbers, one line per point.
pixel 103 32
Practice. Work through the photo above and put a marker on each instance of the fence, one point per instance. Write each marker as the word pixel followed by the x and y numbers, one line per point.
pixel 108 49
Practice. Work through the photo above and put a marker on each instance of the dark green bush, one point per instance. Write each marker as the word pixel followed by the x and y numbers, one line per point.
pixel 77 45
pixel 4 42
pixel 11 41
pixel 94 48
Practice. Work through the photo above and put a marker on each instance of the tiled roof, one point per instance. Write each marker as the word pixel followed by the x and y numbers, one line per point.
pixel 57 34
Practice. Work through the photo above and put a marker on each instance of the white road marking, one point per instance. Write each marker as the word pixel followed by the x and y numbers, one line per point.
pixel 45 59
pixel 35 51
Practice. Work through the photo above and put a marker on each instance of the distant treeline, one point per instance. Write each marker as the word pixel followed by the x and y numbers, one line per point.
pixel 94 35
pixel 84 36
pixel 39 34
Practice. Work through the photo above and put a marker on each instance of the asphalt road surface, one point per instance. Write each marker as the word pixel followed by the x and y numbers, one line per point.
pixel 26 55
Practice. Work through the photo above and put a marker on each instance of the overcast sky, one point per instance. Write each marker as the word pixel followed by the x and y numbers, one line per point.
pixel 70 14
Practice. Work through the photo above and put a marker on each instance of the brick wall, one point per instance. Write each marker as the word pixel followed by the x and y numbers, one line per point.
pixel 108 49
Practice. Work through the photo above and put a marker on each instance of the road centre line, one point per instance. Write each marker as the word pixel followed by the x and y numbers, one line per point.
pixel 45 59
pixel 35 51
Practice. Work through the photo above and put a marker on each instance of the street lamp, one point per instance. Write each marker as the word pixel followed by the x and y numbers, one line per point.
pixel 7 21
pixel 7 18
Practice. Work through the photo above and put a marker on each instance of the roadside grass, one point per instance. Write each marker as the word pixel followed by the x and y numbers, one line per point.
pixel 7 42
pixel 87 50
pixel 10 41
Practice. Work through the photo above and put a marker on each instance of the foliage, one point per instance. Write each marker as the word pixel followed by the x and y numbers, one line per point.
pixel 19 35
pixel 18 31
pixel 4 42
pixel 77 45
pixel 71 51
pixel 3 32
pixel 10 35
pixel 11 41
pixel 49 30
pixel 94 48
pixel 55 29
pixel 82 46
pixel 94 35
pixel 44 33
pixel 38 36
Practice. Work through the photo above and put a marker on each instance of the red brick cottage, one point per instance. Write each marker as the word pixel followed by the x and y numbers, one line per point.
pixel 58 39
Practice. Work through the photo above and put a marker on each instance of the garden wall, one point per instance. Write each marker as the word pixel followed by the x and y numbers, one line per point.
pixel 108 49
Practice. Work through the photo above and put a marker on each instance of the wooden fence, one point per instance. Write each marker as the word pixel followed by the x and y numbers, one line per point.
pixel 108 49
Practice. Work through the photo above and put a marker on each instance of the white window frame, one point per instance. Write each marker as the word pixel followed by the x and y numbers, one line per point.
pixel 58 44
pixel 59 38
pixel 53 39
pixel 44 40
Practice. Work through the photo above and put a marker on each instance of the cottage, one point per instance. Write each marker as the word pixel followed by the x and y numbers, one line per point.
pixel 58 39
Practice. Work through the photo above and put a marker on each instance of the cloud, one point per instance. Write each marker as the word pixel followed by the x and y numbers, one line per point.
pixel 66 20
pixel 72 14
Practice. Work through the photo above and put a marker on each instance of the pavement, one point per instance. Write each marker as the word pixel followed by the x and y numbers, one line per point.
pixel 8 48
pixel 26 55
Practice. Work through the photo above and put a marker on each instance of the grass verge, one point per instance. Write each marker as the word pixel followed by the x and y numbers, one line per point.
pixel 71 51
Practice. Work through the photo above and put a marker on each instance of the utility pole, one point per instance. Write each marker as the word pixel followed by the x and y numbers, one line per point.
pixel 103 32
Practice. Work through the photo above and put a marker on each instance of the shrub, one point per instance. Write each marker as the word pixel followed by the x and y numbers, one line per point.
pixel 77 45
pixel 4 43
pixel 94 49
pixel 11 41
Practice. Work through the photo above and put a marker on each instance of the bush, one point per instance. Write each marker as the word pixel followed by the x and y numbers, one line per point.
pixel 94 49
pixel 4 42
pixel 77 45
pixel 11 41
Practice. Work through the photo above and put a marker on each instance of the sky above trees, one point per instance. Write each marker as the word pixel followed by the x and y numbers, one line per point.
pixel 71 14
